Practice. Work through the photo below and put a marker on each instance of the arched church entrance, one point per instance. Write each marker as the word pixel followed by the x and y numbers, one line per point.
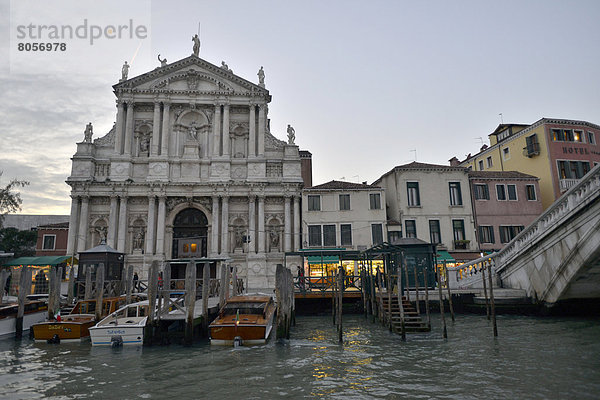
pixel 190 234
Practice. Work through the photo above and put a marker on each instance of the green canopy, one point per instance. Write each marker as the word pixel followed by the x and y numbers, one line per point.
pixel 324 259
pixel 443 255
pixel 37 261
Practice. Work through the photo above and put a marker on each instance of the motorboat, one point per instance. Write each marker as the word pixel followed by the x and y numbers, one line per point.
pixel 244 320
pixel 123 327
pixel 74 327
pixel 35 311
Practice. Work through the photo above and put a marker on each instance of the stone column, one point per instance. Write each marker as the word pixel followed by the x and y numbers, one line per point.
pixel 83 224
pixel 226 138
pixel 214 246
pixel 73 221
pixel 225 225
pixel 129 129
pixel 151 225
pixel 252 132
pixel 122 234
pixel 155 130
pixel 217 131
pixel 297 244
pixel 112 222
pixel 160 226
pixel 287 224
pixel 164 146
pixel 261 224
pixel 252 224
pixel 119 128
pixel 261 129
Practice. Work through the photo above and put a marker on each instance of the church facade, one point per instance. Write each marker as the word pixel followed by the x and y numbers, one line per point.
pixel 190 169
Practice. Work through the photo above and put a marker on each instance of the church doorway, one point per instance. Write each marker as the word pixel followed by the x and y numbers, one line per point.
pixel 190 234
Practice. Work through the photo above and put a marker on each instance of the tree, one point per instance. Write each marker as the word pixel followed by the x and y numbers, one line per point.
pixel 10 201
pixel 22 243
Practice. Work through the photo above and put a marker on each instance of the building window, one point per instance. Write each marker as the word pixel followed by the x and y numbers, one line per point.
pixel 344 201
pixel 412 189
pixel 533 146
pixel 375 201
pixel 481 191
pixel 314 203
pixel 508 233
pixel 486 234
pixel 500 192
pixel 567 135
pixel 512 192
pixel 314 235
pixel 455 194
pixel 377 233
pixel 411 228
pixel 329 235
pixel 394 235
pixel 48 242
pixel 573 169
pixel 531 192
pixel 434 231
pixel 481 165
pixel 458 230
pixel 506 153
pixel 591 138
pixel 346 234
pixel 489 162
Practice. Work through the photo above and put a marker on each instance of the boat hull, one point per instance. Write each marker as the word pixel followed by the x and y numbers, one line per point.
pixel 130 335
pixel 72 329
pixel 8 325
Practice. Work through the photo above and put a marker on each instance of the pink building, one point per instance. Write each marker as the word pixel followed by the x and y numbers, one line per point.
pixel 504 203
pixel 52 239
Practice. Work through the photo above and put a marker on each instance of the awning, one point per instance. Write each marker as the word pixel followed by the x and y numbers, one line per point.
pixel 443 255
pixel 324 259
pixel 38 261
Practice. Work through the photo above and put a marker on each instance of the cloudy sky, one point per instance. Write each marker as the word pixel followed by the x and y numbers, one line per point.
pixel 366 85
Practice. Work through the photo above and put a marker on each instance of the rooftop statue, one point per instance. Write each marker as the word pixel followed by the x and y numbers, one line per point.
pixel 87 134
pixel 125 71
pixel 225 66
pixel 291 134
pixel 196 48
pixel 261 77
pixel 163 62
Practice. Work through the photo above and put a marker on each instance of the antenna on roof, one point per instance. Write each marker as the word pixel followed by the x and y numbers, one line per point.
pixel 501 119
pixel 480 139
pixel 415 150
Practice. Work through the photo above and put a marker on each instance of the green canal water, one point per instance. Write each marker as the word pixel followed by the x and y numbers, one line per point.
pixel 533 358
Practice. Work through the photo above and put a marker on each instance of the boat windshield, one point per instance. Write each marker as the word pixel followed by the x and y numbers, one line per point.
pixel 244 308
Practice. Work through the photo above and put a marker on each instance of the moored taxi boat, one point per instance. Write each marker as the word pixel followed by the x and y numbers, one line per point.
pixel 34 311
pixel 245 319
pixel 123 327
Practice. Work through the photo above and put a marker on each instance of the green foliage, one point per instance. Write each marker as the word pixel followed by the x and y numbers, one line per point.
pixel 22 243
pixel 10 201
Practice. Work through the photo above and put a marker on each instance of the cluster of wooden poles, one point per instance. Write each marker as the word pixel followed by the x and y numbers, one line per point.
pixel 284 293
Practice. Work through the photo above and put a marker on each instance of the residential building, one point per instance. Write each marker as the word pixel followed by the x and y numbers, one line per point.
pixel 343 214
pixel 558 151
pixel 504 203
pixel 52 239
pixel 430 202
pixel 190 169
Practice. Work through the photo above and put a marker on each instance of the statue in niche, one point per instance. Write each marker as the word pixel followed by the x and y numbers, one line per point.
pixel 163 62
pixel 144 143
pixel 193 131
pixel 138 239
pixel 239 239
pixel 274 239
pixel 291 134
pixel 102 231
pixel 125 71
pixel 87 134
pixel 196 48
pixel 261 77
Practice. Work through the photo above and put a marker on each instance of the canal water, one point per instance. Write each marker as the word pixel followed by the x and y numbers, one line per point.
pixel 533 358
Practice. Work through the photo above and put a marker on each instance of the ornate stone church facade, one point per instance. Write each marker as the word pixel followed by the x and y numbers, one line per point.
pixel 190 169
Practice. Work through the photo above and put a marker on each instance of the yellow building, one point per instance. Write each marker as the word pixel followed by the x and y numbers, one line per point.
pixel 557 151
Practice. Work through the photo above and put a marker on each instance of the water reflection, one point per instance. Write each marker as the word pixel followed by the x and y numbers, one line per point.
pixel 532 358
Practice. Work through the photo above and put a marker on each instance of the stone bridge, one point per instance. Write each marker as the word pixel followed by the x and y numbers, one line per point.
pixel 555 258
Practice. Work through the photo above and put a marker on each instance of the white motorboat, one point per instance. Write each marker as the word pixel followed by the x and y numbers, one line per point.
pixel 123 327
pixel 35 311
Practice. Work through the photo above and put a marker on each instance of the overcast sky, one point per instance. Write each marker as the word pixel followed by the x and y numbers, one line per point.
pixel 364 84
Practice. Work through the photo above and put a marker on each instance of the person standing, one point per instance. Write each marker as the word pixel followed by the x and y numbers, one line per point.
pixel 135 281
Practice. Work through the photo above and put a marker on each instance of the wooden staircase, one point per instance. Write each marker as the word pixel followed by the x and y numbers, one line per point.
pixel 413 323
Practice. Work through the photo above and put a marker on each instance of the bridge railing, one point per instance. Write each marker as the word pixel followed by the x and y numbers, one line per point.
pixel 469 275
pixel 575 199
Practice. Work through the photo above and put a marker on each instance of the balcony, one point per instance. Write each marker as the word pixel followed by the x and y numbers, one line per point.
pixel 461 244
pixel 531 150
pixel 566 184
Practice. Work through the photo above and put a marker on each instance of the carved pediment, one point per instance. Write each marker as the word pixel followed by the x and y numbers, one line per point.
pixel 107 140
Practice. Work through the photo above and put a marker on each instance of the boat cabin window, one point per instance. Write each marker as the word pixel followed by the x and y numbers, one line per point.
pixel 87 307
pixel 245 308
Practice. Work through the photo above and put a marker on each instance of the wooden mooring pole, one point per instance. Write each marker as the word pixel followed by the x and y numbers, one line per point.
pixel 441 297
pixel 57 283
pixel 3 278
pixel 190 301
pixel 51 289
pixel 283 287
pixel 129 285
pixel 446 278
pixel 400 301
pixel 340 304
pixel 205 296
pixel 152 291
pixel 426 282
pixel 222 285
pixel 487 305
pixel 88 283
pixel 493 308
pixel 24 289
